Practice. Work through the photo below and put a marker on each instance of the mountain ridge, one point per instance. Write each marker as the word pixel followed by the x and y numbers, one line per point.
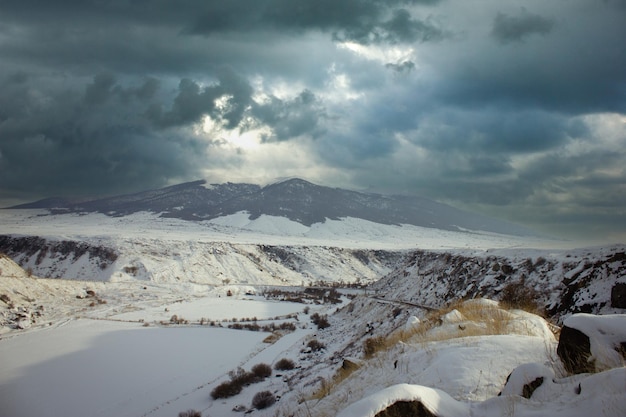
pixel 294 198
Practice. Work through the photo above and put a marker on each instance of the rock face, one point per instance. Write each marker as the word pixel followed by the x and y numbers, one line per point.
pixel 562 283
pixel 618 295
pixel 574 350
pixel 591 343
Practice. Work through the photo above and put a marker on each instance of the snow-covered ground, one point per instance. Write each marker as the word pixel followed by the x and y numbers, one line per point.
pixel 233 248
pixel 106 345
pixel 125 357
pixel 238 228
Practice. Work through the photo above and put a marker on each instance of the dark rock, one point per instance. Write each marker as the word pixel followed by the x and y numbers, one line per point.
pixel 574 349
pixel 406 408
pixel 618 295
pixel 528 389
pixel 592 343
pixel 526 378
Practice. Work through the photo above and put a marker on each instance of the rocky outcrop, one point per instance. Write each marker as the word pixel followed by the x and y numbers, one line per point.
pixel 560 284
pixel 574 350
pixel 618 295
pixel 590 343
pixel 35 249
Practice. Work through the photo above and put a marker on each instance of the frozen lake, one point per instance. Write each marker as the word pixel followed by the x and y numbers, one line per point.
pixel 114 369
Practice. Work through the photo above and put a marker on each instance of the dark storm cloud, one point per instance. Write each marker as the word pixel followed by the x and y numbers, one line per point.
pixel 463 101
pixel 362 21
pixel 577 68
pixel 517 28
pixel 290 119
pixel 193 101
pixel 401 27
pixel 402 67
pixel 496 131
pixel 87 141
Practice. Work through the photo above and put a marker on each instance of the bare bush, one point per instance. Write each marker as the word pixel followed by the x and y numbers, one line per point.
pixel 263 399
pixel 518 295
pixel 284 364
pixel 226 390
pixel 261 371
pixel 315 345
pixel 320 321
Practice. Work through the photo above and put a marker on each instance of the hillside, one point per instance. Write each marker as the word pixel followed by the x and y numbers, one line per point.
pixel 294 199
pixel 375 348
pixel 212 263
pixel 558 283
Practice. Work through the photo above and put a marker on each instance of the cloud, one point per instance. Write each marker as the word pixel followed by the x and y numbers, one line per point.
pixel 362 21
pixel 193 101
pixel 494 107
pixel 402 67
pixel 290 119
pixel 97 138
pixel 401 27
pixel 517 28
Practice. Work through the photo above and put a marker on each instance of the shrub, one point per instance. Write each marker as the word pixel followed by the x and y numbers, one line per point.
pixel 263 399
pixel 226 390
pixel 261 371
pixel 284 364
pixel 315 345
pixel 373 345
pixel 241 377
pixel 320 321
pixel 190 413
pixel 287 326
pixel 517 295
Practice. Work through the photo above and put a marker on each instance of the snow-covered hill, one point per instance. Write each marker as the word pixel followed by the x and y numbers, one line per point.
pixel 267 250
pixel 294 199
pixel 271 250
pixel 558 282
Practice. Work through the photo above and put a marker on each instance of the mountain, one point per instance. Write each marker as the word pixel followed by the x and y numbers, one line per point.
pixel 295 199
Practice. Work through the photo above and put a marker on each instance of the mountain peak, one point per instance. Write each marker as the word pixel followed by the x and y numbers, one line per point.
pixel 293 198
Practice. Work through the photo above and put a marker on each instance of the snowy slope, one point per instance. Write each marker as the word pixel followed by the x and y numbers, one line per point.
pixel 560 282
pixel 456 366
pixel 235 247
pixel 297 200
pixel 83 355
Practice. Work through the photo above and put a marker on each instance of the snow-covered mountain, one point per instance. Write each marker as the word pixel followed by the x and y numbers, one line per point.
pixel 295 199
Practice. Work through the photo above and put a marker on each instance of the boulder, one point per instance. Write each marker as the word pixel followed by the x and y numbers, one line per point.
pixel 406 408
pixel 590 343
pixel 618 295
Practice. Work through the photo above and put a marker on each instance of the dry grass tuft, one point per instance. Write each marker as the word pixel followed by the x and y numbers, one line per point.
pixel 460 319
pixel 327 385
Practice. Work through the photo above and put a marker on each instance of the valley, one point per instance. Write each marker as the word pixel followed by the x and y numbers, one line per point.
pixel 143 315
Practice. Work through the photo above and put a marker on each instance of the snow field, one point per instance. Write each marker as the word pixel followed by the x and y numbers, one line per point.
pixel 269 230
pixel 107 366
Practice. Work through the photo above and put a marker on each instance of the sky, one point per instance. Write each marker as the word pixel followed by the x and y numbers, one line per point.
pixel 515 109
